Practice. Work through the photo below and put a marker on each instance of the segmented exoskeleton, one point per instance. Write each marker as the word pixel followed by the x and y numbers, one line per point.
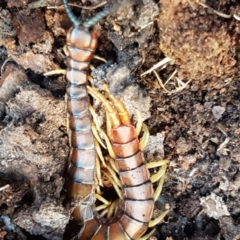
pixel 132 219
pixel 81 45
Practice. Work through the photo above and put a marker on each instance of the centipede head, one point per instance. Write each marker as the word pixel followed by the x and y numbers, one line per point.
pixel 81 38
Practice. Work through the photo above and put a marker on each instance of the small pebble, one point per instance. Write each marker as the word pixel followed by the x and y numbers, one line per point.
pixel 218 112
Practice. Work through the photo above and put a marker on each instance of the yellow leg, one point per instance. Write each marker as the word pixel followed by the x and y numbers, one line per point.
pixel 121 109
pixel 157 220
pixel 139 123
pixel 69 137
pixel 109 145
pixel 99 152
pixel 91 67
pixel 156 164
pixel 98 172
pixel 102 199
pixel 160 175
pixel 161 172
pixel 113 115
pixel 111 209
pixel 98 190
pixel 69 156
pixel 101 207
pixel 113 165
pixel 147 236
pixel 63 72
pixel 89 78
pixel 55 72
pixel 100 58
pixel 103 213
pixel 160 184
pixel 115 185
pixel 118 205
pixel 114 177
pixel 144 139
pixel 65 50
pixel 108 126
pixel 101 132
pixel 94 115
pixel 95 133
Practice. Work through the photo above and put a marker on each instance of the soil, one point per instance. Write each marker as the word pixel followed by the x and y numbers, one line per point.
pixel 193 117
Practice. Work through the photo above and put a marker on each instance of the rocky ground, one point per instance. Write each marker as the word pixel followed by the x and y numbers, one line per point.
pixel 175 61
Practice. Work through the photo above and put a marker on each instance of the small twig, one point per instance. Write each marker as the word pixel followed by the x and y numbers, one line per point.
pixel 91 7
pixel 172 75
pixel 145 26
pixel 224 15
pixel 159 64
pixel 180 87
pixel 83 7
pixel 4 187
pixel 55 7
pixel 160 81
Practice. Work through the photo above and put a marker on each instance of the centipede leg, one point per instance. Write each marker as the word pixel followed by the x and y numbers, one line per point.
pixel 96 135
pixel 144 139
pixel 98 173
pixel 55 72
pixel 120 107
pixel 99 152
pixel 159 219
pixel 160 175
pixel 139 123
pixel 148 235
pixel 103 135
pixel 161 172
pixel 100 58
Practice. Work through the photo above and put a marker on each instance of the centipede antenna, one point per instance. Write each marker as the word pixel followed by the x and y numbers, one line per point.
pixel 95 19
pixel 70 14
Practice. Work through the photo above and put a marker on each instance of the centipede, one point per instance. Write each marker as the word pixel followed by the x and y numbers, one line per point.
pixel 137 206
pixel 136 210
pixel 81 43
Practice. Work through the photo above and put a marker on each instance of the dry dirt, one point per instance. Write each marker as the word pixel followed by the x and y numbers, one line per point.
pixel 195 125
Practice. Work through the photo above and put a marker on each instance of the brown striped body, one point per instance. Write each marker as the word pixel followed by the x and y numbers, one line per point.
pixel 136 211
pixel 81 45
